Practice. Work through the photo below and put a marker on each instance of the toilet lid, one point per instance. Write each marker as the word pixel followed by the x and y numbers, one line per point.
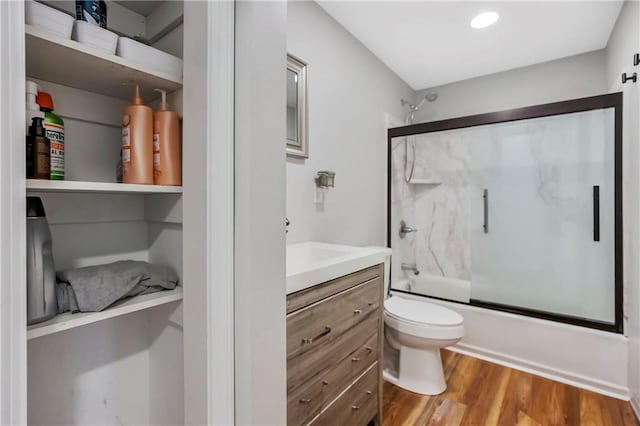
pixel 421 312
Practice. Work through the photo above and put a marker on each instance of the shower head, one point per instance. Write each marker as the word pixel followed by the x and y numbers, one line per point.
pixel 430 96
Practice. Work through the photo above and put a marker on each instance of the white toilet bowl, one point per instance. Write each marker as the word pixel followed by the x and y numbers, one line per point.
pixel 418 329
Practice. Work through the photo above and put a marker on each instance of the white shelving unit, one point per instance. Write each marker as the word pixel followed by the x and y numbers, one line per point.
pixel 94 221
pixel 68 186
pixel 77 65
pixel 137 362
pixel 68 321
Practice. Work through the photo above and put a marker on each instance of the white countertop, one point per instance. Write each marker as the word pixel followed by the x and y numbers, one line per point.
pixel 313 263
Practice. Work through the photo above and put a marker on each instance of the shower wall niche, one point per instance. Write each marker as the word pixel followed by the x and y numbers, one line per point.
pixel 517 211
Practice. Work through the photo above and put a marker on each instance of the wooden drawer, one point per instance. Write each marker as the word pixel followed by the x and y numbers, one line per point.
pixel 316 293
pixel 326 320
pixel 320 361
pixel 314 395
pixel 357 406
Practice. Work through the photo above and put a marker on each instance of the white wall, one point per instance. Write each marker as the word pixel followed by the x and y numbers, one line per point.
pixel 350 90
pixel 568 78
pixel 623 43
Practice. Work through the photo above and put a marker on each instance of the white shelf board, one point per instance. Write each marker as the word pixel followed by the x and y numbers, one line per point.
pixel 42 185
pixel 68 321
pixel 70 63
pixel 424 182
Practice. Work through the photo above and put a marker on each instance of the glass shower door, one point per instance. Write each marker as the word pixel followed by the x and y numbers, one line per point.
pixel 542 215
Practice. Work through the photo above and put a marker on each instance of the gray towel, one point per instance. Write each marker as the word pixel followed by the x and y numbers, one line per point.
pixel 95 288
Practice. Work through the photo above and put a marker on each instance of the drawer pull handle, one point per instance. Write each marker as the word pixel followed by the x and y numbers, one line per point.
pixel 326 331
pixel 355 407
pixel 357 311
pixel 355 359
pixel 305 401
pixel 369 392
pixel 370 303
pixel 324 382
pixel 369 349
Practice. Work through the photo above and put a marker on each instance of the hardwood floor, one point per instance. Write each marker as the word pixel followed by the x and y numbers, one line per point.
pixel 482 393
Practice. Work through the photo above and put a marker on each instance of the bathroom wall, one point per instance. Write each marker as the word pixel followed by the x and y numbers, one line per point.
pixel 568 78
pixel 350 90
pixel 623 43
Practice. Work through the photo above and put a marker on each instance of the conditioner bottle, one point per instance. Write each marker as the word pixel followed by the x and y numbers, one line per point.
pixel 167 155
pixel 137 142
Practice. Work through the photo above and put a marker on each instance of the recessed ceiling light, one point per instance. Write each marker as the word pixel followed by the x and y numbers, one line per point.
pixel 484 20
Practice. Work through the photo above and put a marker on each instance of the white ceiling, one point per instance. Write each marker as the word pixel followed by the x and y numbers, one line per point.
pixel 430 43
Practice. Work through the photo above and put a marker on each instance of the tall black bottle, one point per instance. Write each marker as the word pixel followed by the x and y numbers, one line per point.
pixel 38 151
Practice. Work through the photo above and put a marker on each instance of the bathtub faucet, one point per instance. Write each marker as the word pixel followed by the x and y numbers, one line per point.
pixel 410 267
pixel 405 229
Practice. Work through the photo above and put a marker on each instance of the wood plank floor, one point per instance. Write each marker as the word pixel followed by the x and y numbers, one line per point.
pixel 482 393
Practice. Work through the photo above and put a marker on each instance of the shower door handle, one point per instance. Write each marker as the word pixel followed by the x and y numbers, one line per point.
pixel 485 208
pixel 596 212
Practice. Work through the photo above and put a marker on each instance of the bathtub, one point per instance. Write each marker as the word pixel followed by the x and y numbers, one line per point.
pixel 589 359
pixel 435 286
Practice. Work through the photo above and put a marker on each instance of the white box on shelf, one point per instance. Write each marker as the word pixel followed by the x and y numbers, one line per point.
pixel 149 56
pixel 48 19
pixel 93 35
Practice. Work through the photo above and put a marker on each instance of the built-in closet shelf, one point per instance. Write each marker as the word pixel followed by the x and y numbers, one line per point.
pixel 424 182
pixel 77 65
pixel 41 185
pixel 68 321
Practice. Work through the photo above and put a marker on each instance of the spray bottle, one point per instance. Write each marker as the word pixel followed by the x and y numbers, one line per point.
pixel 54 127
pixel 33 109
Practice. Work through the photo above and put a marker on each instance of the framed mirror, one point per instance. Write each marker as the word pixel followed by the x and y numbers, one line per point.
pixel 297 136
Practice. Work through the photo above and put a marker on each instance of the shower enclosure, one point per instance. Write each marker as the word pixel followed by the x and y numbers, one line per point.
pixel 519 210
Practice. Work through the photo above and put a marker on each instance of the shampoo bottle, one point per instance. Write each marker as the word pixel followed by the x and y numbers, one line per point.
pixel 137 142
pixel 167 155
pixel 54 127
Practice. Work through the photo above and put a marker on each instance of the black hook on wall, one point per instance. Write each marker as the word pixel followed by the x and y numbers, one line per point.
pixel 633 77
pixel 636 59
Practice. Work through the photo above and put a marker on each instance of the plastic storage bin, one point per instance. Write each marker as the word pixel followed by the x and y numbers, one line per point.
pixel 47 18
pixel 93 35
pixel 149 56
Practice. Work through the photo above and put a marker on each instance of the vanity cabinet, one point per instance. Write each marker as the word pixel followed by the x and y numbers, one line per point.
pixel 334 351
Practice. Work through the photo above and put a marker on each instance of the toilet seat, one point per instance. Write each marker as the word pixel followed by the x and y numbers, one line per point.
pixel 422 319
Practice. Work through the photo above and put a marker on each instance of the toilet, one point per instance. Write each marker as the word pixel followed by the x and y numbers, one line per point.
pixel 417 330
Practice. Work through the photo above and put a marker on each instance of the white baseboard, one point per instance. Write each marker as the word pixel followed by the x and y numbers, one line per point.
pixel 635 404
pixel 602 387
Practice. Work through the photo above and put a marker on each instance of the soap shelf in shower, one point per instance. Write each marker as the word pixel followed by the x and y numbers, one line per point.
pixel 424 182
pixel 68 320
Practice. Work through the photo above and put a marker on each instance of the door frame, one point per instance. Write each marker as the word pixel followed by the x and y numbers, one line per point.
pixel 611 100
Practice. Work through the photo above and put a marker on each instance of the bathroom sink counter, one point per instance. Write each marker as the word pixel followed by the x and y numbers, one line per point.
pixel 313 263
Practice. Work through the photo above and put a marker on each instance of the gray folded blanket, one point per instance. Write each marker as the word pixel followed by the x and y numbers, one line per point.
pixel 95 288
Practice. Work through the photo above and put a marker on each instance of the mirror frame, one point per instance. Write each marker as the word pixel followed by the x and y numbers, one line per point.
pixel 300 149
